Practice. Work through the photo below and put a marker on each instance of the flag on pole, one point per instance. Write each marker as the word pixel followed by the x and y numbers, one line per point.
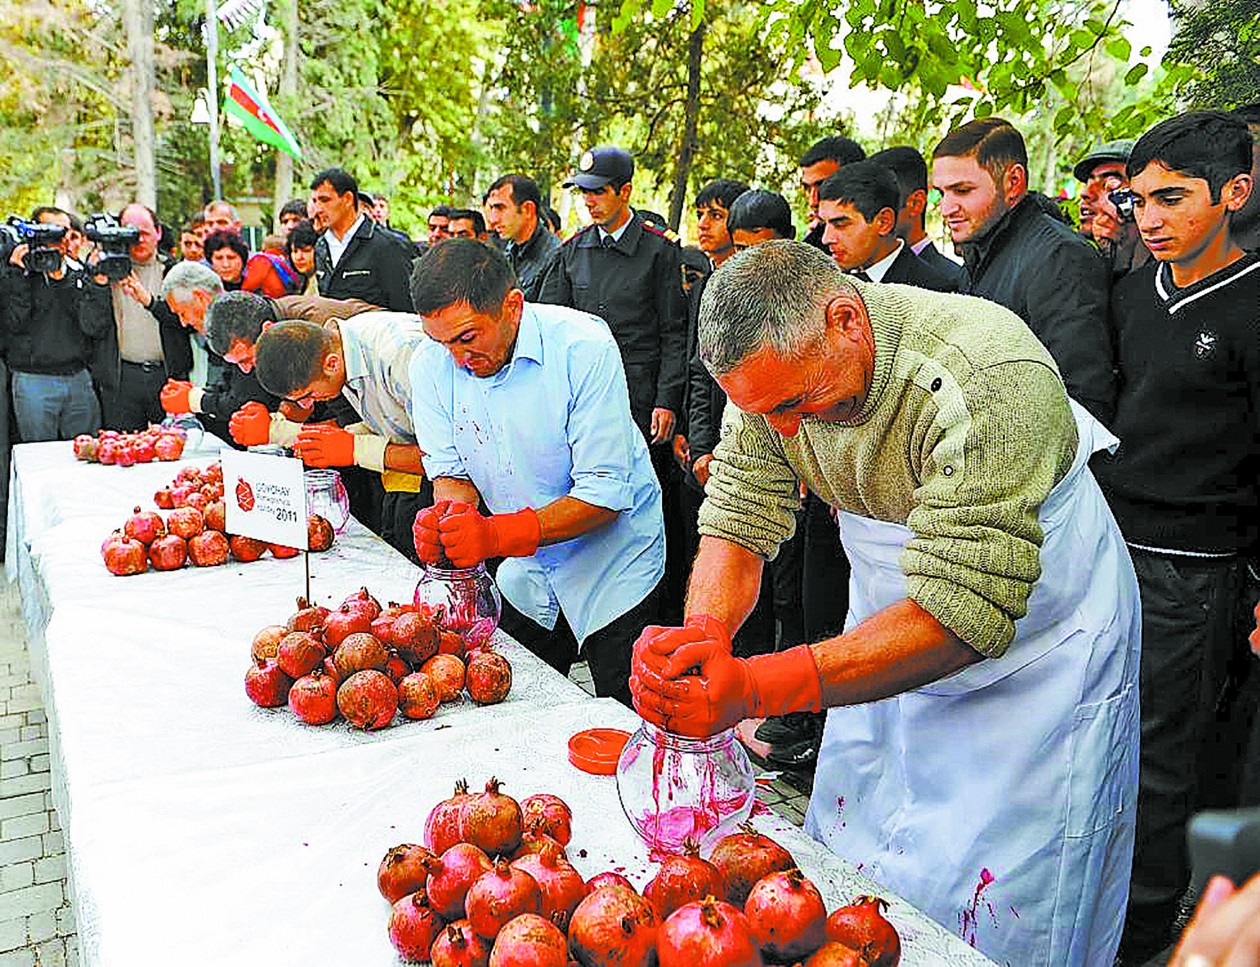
pixel 251 108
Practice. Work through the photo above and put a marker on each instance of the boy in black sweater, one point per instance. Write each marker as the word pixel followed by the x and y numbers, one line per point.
pixel 1184 483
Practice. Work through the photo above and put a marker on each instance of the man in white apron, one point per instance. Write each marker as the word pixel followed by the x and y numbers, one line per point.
pixel 980 754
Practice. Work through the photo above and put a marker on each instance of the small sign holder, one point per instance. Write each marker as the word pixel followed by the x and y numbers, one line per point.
pixel 265 498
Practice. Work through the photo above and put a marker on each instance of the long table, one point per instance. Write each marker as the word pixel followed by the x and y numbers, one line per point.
pixel 201 828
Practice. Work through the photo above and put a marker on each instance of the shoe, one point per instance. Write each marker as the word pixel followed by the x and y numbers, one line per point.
pixel 786 729
pixel 796 755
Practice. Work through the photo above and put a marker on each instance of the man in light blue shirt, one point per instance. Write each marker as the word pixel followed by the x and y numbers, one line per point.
pixel 525 407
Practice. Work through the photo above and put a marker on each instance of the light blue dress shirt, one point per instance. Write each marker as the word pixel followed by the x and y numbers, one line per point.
pixel 555 421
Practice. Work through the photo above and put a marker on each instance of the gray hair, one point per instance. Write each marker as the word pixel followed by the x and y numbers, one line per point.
pixel 774 294
pixel 220 203
pixel 187 277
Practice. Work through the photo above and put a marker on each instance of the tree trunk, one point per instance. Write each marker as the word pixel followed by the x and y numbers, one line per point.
pixel 286 105
pixel 687 152
pixel 138 23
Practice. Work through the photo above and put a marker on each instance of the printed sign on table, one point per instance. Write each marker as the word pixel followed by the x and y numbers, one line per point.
pixel 265 496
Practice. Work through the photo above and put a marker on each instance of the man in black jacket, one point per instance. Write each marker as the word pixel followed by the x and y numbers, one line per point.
pixel 910 170
pixel 512 205
pixel 1019 256
pixel 355 258
pixel 48 343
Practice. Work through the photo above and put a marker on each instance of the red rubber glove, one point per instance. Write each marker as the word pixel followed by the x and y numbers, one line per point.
pixel 174 396
pixel 664 642
pixel 1254 637
pixel 725 691
pixel 469 538
pixel 424 532
pixel 325 445
pixel 250 426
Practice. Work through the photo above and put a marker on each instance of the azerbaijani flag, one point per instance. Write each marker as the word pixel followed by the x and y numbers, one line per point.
pixel 251 108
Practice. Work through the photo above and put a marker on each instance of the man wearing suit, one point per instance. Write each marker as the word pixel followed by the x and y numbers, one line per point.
pixel 910 170
pixel 858 206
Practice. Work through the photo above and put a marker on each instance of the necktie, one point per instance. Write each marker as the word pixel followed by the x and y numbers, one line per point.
pixel 608 241
pixel 861 274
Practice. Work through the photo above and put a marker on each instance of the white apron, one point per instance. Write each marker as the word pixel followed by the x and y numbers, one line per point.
pixel 1000 800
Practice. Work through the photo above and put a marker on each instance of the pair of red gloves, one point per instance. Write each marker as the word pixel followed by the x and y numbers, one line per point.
pixel 318 444
pixel 458 530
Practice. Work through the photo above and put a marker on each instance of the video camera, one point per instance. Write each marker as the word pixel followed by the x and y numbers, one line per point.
pixel 1122 198
pixel 115 243
pixel 42 254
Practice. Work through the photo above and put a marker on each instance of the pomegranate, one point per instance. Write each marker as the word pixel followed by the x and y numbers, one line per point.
pixel 459 946
pixel 362 598
pixel 529 941
pixel 534 840
pixel 144 526
pixel 280 552
pixel 185 522
pixel 168 447
pixel 124 556
pixel 862 926
pixel 142 450
pixel 548 814
pixel 246 549
pixel 832 954
pixel 313 699
pixel 787 915
pixel 608 878
pixel 197 500
pixel 266 684
pixel 266 643
pixel 561 885
pixel 447 673
pixel 683 879
pixel 402 871
pixel 441 827
pixel 383 627
pixel 498 896
pixel 330 669
pixel 344 622
pixel 745 857
pixel 368 700
pixel 415 636
pixel 208 549
pixel 413 926
pixel 449 643
pixel 396 666
pixel 417 697
pixel 168 553
pixel 488 678
pixel 125 455
pixel 216 516
pixel 299 652
pixel 358 652
pixel 81 444
pixel 451 875
pixel 491 820
pixel 163 499
pixel 707 933
pixel 614 926
pixel 309 617
pixel 319 533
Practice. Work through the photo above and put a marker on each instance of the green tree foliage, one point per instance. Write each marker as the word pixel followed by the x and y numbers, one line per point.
pixel 1220 39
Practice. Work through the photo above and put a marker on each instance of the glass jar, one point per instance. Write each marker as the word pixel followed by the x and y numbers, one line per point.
pixel 326 495
pixel 188 426
pixel 673 788
pixel 465 600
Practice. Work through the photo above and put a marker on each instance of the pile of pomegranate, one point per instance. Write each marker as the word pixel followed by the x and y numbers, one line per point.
pixel 492 886
pixel 366 663
pixel 193 535
pixel 192 487
pixel 128 449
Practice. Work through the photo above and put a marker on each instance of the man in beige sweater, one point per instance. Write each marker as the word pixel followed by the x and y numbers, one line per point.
pixel 980 750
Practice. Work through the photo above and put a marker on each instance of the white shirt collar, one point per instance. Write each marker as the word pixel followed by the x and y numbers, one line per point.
pixel 877 269
pixel 616 236
pixel 337 246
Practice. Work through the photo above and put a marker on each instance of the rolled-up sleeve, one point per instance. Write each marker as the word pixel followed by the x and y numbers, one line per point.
pixel 600 431
pixel 432 412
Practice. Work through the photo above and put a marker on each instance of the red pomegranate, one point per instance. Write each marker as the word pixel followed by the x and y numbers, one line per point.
pixel 534 840
pixel 614 927
pixel 81 444
pixel 362 598
pixel 561 885
pixel 451 875
pixel 142 450
pixel 498 896
pixel 358 652
pixel 417 696
pixel 368 700
pixel 608 878
pixel 280 552
pixel 549 814
pixel 267 685
pixel 415 636
pixel 402 871
pixel 313 699
pixel 124 556
pixel 163 499
pixel 330 669
pixel 308 617
pixel 298 653
pixel 447 673
pixel 216 515
pixel 459 946
pixel 208 549
pixel 168 447
pixel 198 500
pixel 125 455
pixel 862 926
pixel 787 915
pixel 449 643
pixel 266 643
pixel 413 926
pixel 343 623
pixel 441 826
pixel 833 954
pixel 383 628
pixel 168 553
pixel 745 857
pixel 144 526
pixel 185 522
pixel 488 678
pixel 707 933
pixel 319 533
pixel 246 549
pixel 529 941
pixel 396 666
pixel 683 879
pixel 491 821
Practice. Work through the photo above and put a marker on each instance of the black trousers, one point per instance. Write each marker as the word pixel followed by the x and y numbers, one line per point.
pixel 607 651
pixel 398 513
pixel 135 403
pixel 824 573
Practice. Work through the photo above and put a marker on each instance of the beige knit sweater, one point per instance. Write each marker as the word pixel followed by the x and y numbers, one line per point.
pixel 965 431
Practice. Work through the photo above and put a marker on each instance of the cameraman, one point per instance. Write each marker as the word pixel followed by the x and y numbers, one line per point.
pixel 49 342
pixel 1102 172
pixel 143 343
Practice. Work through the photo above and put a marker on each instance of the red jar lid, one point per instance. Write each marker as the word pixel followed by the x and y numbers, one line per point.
pixel 596 750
